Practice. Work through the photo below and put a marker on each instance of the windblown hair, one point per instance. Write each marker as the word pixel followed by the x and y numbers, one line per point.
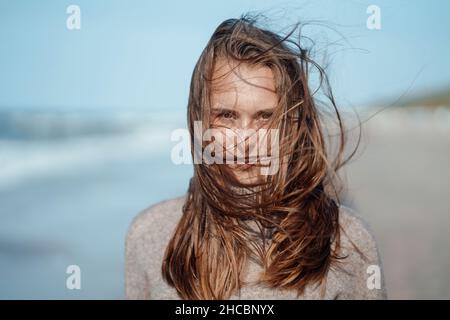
pixel 296 210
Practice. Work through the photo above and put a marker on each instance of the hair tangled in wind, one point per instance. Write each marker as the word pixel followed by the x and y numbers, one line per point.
pixel 296 209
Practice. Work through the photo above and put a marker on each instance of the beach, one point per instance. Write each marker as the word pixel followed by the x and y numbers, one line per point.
pixel 69 201
pixel 400 183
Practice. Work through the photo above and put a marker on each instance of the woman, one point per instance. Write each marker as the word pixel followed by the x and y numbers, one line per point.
pixel 265 225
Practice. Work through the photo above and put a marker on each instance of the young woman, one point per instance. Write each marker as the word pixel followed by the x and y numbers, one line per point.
pixel 242 232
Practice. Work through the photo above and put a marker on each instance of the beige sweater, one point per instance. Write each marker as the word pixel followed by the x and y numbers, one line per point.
pixel 151 230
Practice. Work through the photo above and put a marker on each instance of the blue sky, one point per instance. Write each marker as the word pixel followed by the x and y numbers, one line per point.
pixel 140 54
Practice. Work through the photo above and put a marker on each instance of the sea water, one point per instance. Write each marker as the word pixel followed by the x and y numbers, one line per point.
pixel 70 184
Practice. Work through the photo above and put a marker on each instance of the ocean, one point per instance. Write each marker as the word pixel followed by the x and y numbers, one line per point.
pixel 70 184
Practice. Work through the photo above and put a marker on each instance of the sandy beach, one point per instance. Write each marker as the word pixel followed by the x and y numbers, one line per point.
pixel 400 182
pixel 70 201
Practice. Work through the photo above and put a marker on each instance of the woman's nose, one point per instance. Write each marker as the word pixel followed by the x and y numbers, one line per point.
pixel 246 122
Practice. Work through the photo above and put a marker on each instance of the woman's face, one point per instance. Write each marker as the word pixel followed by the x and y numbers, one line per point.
pixel 244 99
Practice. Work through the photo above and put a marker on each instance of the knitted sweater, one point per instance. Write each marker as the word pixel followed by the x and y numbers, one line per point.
pixel 151 230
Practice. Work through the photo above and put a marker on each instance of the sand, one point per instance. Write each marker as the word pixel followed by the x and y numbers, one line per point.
pixel 400 182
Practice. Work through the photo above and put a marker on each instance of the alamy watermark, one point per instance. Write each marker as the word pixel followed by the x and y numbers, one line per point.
pixel 374 278
pixel 73 281
pixel 73 21
pixel 226 146
pixel 374 19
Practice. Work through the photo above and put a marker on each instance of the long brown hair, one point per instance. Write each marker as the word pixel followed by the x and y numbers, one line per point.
pixel 296 210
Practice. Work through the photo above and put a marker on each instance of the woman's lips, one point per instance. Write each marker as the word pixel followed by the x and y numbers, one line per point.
pixel 245 166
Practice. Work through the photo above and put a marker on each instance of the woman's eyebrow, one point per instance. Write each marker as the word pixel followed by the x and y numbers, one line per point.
pixel 223 109
pixel 268 110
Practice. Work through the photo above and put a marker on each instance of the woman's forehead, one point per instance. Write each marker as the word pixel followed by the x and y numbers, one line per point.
pixel 246 85
pixel 227 75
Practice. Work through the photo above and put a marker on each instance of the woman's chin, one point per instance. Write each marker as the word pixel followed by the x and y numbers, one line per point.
pixel 247 173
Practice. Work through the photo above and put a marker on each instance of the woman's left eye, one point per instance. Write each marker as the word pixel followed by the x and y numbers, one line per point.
pixel 266 115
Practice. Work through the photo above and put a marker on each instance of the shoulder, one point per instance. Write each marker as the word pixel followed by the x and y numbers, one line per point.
pixel 355 229
pixel 155 223
pixel 361 269
pixel 146 239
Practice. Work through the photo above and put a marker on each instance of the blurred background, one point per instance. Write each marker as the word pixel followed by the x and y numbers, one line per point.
pixel 86 116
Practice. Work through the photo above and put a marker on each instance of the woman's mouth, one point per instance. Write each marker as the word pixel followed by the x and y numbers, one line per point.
pixel 244 166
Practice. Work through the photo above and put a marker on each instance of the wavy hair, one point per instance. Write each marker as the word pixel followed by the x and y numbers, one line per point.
pixel 295 211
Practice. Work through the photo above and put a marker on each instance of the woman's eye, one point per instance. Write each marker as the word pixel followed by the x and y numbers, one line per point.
pixel 266 115
pixel 226 115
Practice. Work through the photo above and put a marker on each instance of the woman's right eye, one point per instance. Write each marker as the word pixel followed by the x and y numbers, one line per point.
pixel 226 115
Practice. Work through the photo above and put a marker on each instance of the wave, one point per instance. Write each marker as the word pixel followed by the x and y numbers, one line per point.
pixel 60 125
pixel 51 143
